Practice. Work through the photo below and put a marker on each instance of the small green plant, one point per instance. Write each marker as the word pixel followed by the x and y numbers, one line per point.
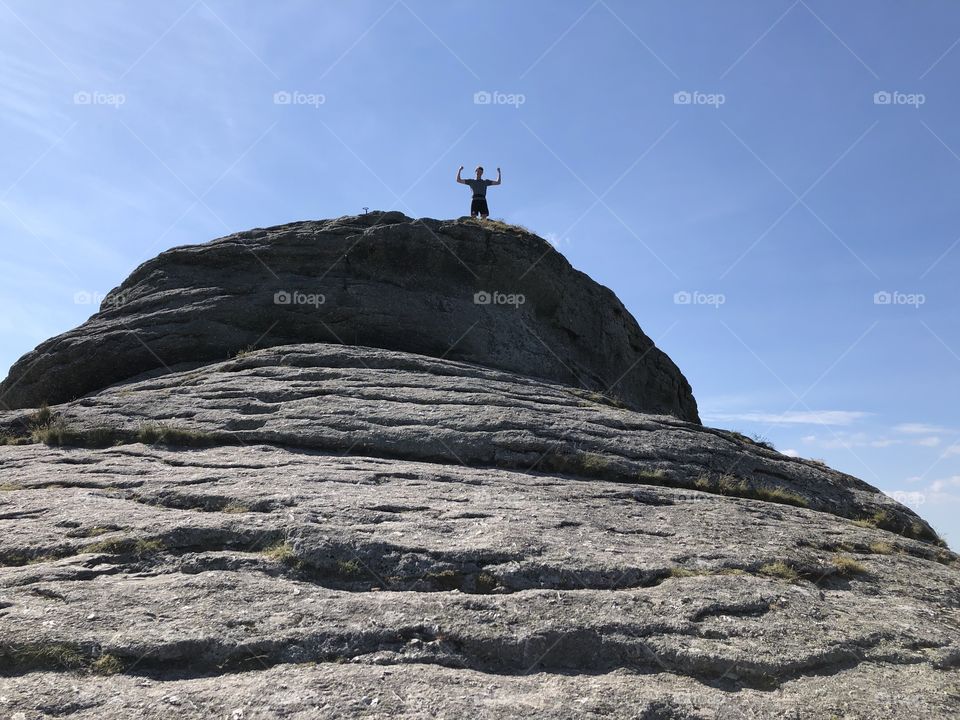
pixel 114 546
pixel 243 352
pixel 106 665
pixel 446 579
pixel 42 417
pixel 59 434
pixel 882 548
pixel 348 568
pixel 681 572
pixel 762 442
pixel 281 552
pixel 142 548
pixel 501 224
pixel 780 570
pixel 591 397
pixel 579 463
pixel 651 476
pixel 160 434
pixel 9 487
pixel 53 656
pixel 486 583
pixel 847 566
pixel 731 486
pixel 779 495
pixel 125 546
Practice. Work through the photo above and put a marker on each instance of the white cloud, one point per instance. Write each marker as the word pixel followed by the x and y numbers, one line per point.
pixel 792 417
pixel 932 441
pixel 790 452
pixel 952 450
pixel 938 486
pixel 919 429
pixel 846 440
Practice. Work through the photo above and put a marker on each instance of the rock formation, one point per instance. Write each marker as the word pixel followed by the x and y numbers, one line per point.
pixel 379 280
pixel 400 503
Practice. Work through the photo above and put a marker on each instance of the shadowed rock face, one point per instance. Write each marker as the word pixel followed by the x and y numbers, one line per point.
pixel 326 530
pixel 379 280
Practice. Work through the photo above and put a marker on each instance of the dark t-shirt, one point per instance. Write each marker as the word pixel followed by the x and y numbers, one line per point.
pixel 479 187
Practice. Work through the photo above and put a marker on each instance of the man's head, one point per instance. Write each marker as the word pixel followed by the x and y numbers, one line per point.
pixel 479 172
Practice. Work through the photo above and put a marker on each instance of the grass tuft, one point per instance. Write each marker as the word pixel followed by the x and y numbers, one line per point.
pixel 780 570
pixel 847 566
pixel 348 568
pixel 281 552
pixel 106 665
pixel 125 546
pixel 486 583
pixel 731 486
pixel 446 579
pixel 160 434
pixel 882 548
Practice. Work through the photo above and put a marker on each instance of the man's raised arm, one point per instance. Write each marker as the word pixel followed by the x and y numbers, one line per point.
pixel 460 179
pixel 498 180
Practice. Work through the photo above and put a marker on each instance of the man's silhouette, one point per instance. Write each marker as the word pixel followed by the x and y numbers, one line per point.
pixel 479 186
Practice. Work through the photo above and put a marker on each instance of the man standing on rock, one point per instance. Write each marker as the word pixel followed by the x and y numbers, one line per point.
pixel 479 187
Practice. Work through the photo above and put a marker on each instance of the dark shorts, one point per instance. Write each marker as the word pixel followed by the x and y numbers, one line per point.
pixel 479 205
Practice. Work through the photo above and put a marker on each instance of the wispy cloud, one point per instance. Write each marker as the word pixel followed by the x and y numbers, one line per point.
pixel 919 429
pixel 792 417
pixel 939 486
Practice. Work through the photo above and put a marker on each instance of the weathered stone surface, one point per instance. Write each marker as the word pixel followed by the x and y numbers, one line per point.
pixel 378 534
pixel 387 281
pixel 396 405
pixel 353 529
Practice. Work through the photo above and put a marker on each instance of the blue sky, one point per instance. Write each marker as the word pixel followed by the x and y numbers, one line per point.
pixel 746 176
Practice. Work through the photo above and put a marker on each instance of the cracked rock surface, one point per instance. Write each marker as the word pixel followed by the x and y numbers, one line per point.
pixel 396 535
pixel 384 527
